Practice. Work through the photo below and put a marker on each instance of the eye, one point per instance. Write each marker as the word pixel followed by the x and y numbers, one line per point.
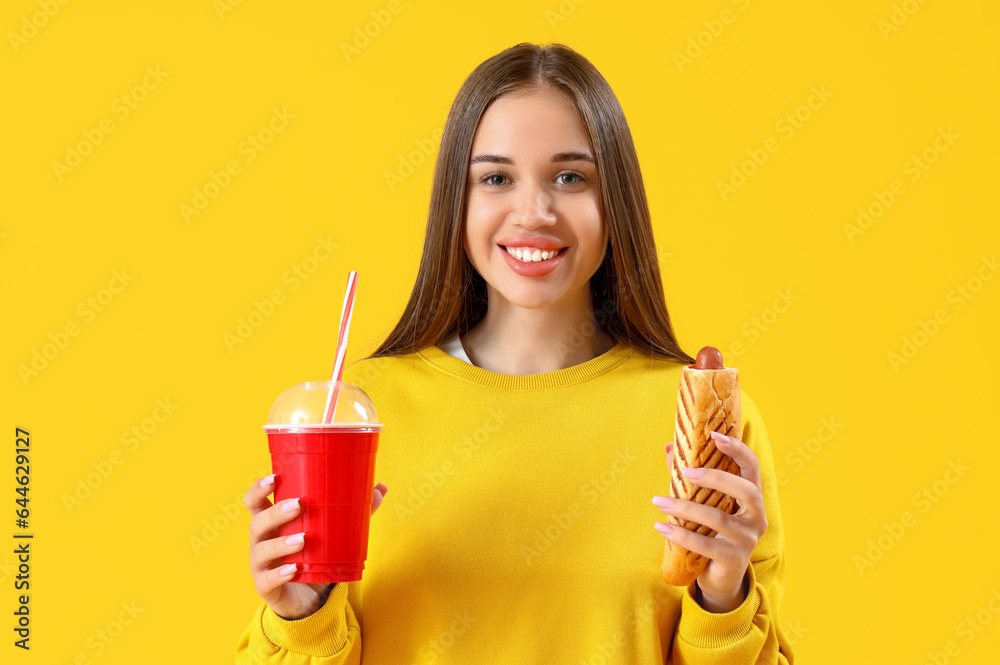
pixel 494 179
pixel 575 178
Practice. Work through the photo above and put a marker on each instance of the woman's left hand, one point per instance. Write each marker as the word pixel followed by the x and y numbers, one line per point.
pixel 721 582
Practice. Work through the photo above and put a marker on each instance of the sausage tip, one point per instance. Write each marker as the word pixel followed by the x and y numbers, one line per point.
pixel 709 358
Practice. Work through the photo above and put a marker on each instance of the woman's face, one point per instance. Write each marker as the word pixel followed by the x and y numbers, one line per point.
pixel 533 190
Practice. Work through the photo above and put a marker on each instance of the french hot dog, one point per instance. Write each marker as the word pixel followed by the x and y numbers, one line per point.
pixel 708 400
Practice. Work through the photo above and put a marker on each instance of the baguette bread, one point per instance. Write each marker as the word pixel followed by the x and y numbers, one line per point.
pixel 707 400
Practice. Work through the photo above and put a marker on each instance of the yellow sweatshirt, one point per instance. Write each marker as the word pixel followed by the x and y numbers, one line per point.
pixel 518 527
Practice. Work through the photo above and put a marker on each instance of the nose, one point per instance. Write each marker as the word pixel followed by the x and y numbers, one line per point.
pixel 533 207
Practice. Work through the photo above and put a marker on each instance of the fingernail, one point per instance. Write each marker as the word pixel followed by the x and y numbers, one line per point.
pixel 290 505
pixel 663 501
pixel 719 438
pixel 663 528
pixel 693 473
pixel 287 570
pixel 295 539
pixel 266 480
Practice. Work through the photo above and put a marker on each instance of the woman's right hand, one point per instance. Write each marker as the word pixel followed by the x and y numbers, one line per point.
pixel 289 600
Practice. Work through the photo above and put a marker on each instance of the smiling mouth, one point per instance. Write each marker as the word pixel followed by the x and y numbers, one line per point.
pixel 532 255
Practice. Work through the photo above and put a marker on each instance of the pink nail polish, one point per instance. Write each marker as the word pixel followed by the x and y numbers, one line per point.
pixel 663 528
pixel 693 473
pixel 719 438
pixel 663 501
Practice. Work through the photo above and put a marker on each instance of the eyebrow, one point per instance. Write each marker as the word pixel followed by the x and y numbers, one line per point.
pixel 571 156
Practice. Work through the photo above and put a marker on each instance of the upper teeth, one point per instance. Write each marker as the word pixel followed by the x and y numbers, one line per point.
pixel 531 254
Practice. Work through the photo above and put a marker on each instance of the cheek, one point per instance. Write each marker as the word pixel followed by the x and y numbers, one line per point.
pixel 483 209
pixel 590 229
pixel 477 232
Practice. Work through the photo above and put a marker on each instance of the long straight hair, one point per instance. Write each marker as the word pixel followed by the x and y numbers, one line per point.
pixel 449 295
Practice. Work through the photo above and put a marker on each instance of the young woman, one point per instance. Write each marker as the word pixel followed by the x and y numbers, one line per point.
pixel 528 395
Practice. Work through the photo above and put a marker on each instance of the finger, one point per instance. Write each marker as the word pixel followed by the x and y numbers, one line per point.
pixel 709 516
pixel 267 582
pixel 741 454
pixel 264 524
pixel 266 552
pixel 742 490
pixel 377 495
pixel 256 499
pixel 711 548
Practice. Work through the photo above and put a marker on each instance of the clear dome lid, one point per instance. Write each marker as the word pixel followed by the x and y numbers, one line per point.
pixel 303 406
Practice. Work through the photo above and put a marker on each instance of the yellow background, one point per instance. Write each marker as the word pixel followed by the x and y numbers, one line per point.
pixel 823 358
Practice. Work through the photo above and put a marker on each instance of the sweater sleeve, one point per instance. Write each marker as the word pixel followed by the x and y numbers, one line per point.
pixel 330 636
pixel 751 633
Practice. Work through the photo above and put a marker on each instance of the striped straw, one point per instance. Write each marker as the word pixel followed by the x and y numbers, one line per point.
pixel 345 328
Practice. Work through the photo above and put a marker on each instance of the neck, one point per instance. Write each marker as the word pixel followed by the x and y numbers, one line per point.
pixel 519 341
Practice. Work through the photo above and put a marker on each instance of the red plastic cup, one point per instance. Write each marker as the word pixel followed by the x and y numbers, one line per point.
pixel 331 468
pixel 333 473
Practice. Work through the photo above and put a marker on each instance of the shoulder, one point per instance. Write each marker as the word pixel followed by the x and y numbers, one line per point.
pixel 367 372
pixel 753 429
pixel 651 370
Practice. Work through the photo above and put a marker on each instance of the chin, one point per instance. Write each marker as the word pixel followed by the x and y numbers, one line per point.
pixel 533 301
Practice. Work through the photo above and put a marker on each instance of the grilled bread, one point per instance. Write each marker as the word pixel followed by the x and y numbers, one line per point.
pixel 708 400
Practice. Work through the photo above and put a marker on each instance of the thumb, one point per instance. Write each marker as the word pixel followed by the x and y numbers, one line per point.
pixel 669 448
pixel 377 495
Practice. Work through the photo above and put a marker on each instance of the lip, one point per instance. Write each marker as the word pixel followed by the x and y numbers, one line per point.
pixel 535 268
pixel 536 242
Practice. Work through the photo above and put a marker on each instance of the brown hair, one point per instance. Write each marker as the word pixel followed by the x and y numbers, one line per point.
pixel 627 291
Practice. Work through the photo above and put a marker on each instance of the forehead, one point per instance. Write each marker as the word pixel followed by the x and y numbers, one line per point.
pixel 537 121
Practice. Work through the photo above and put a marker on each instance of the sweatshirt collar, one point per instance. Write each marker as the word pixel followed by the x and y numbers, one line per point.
pixel 561 378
